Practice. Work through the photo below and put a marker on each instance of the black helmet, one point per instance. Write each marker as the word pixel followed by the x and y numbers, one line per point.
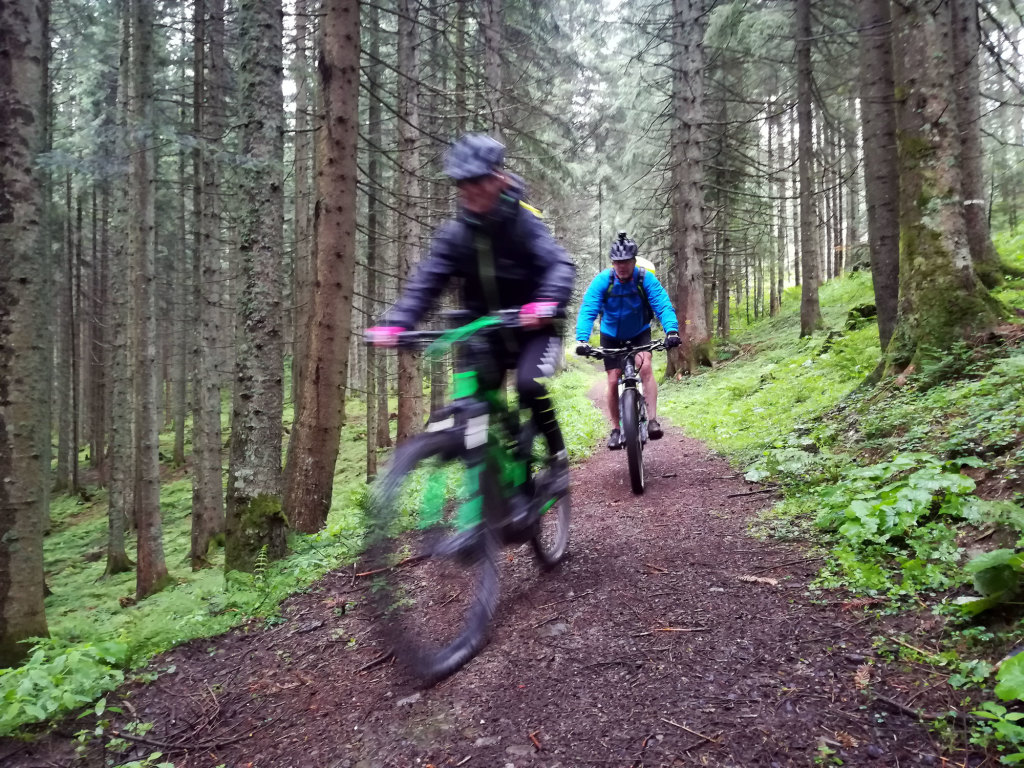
pixel 623 249
pixel 474 155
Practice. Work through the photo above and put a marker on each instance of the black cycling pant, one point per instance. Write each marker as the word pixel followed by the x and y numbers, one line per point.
pixel 533 356
pixel 612 342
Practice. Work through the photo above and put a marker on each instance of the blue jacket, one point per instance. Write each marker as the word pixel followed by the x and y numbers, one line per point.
pixel 504 260
pixel 622 313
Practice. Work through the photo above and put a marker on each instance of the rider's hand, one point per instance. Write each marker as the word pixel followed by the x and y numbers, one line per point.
pixel 583 349
pixel 537 313
pixel 672 340
pixel 384 335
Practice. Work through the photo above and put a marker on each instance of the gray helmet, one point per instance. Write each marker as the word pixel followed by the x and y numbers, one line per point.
pixel 474 155
pixel 623 249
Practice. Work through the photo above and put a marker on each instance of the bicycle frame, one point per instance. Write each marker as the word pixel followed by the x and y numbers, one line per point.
pixel 468 419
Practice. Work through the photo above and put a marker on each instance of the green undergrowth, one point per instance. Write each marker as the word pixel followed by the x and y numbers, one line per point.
pixel 910 489
pixel 98 633
pixel 775 381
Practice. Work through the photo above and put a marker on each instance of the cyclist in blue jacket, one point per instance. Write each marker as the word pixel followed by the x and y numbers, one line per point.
pixel 626 297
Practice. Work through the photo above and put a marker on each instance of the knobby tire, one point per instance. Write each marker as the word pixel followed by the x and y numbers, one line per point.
pixel 551 541
pixel 631 436
pixel 394 549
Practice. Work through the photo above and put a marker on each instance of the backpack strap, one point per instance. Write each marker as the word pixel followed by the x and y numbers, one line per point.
pixel 639 287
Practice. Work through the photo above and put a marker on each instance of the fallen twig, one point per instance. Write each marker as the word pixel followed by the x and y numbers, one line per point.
pixel 382 659
pixel 545 621
pixel 689 730
pixel 752 493
pixel 536 742
pixel 672 629
pixel 902 708
pixel 922 651
pixel 413 560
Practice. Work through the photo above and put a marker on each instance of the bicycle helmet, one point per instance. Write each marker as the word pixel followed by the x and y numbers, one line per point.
pixel 474 155
pixel 623 249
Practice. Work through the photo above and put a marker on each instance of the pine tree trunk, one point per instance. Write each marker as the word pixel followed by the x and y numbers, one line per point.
pixel 794 184
pixel 881 162
pixel 777 262
pixel 490 25
pixel 182 294
pixel 255 525
pixel 207 466
pixel 314 447
pixel 99 359
pixel 966 43
pixel 302 294
pixel 410 379
pixel 151 570
pixel 65 330
pixel 25 343
pixel 373 239
pixel 810 309
pixel 121 498
pixel 941 298
pixel 688 184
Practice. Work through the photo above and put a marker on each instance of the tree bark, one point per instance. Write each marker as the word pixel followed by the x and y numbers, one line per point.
pixel 181 276
pixel 373 239
pixel 490 25
pixel 966 42
pixel 941 298
pixel 688 183
pixel 810 309
pixel 121 497
pixel 207 466
pixel 410 379
pixel 151 570
pixel 881 161
pixel 65 332
pixel 317 430
pixel 302 294
pixel 25 342
pixel 255 524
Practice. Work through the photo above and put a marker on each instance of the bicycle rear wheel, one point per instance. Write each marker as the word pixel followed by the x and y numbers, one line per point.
pixel 630 406
pixel 432 558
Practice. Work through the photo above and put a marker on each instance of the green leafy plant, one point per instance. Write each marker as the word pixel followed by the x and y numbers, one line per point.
pixel 875 503
pixel 996 578
pixel 57 679
pixel 1000 729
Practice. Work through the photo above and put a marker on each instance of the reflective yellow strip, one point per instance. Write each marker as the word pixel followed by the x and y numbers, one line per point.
pixel 535 211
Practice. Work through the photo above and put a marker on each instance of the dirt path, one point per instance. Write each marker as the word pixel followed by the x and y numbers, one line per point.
pixel 663 641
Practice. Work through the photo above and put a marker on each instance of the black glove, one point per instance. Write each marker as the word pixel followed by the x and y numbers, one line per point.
pixel 672 340
pixel 583 349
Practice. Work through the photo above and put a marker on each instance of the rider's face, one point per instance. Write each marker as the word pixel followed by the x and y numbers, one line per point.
pixel 480 195
pixel 624 269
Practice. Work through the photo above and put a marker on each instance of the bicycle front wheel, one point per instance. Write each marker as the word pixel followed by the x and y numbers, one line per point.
pixel 432 557
pixel 630 404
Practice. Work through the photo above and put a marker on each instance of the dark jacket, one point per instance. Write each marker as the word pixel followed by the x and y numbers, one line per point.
pixel 505 260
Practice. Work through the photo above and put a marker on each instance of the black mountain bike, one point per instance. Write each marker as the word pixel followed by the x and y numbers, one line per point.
pixel 475 480
pixel 632 405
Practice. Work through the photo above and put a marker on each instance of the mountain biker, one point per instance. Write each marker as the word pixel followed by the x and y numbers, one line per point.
pixel 626 296
pixel 506 258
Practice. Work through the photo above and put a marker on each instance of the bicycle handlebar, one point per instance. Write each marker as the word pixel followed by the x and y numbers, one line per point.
pixel 599 353
pixel 506 318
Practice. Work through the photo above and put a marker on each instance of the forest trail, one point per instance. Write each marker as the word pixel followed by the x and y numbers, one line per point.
pixel 670 637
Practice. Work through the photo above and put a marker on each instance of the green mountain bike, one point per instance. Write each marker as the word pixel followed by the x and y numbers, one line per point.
pixel 475 480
